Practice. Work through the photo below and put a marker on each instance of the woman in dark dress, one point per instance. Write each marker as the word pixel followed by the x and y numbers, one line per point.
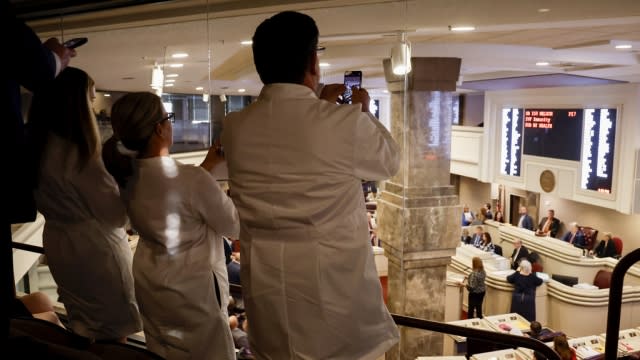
pixel 523 299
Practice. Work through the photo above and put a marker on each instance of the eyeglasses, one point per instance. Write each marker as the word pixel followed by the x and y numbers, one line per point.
pixel 170 116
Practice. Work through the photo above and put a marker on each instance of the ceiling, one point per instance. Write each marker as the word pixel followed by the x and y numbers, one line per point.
pixel 576 37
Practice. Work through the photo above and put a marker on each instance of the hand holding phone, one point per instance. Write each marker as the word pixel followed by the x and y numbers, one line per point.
pixel 75 42
pixel 351 79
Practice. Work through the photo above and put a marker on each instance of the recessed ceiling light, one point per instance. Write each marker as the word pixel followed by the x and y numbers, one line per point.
pixel 176 65
pixel 180 55
pixel 106 94
pixel 385 91
pixel 542 63
pixel 171 75
pixel 324 64
pixel 199 88
pixel 169 81
pixel 168 85
pixel 624 46
pixel 241 90
pixel 544 10
pixel 246 42
pixel 462 28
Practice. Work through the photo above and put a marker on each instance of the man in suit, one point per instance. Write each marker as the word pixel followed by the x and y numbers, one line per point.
pixel 525 220
pixel 549 225
pixel 477 237
pixel 30 64
pixel 575 236
pixel 519 252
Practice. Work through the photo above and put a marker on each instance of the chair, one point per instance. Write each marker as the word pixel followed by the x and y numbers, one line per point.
pixel 497 249
pixel 603 279
pixel 617 242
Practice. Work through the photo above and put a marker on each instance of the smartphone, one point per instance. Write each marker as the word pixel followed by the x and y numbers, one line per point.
pixel 351 79
pixel 75 42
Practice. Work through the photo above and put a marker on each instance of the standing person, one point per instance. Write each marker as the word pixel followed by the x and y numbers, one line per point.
pixel 467 216
pixel 31 64
pixel 488 214
pixel 476 288
pixel 181 215
pixel 523 299
pixel 84 238
pixel 295 167
pixel 519 252
pixel 498 215
pixel 525 220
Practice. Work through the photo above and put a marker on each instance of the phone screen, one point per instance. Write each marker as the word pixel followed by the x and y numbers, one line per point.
pixel 351 78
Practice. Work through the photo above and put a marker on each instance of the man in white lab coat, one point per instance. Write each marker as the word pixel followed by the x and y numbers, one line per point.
pixel 295 165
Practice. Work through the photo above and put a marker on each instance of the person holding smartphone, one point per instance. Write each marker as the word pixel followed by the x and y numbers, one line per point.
pixel 295 164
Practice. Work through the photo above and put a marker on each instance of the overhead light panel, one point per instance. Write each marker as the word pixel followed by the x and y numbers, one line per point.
pixel 542 63
pixel 171 75
pixel 169 81
pixel 106 95
pixel 461 28
pixel 324 65
pixel 199 88
pixel 168 85
pixel 176 65
pixel 624 46
pixel 246 42
pixel 242 90
pixel 180 55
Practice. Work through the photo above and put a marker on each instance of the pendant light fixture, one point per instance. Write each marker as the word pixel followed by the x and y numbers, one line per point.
pixel 401 56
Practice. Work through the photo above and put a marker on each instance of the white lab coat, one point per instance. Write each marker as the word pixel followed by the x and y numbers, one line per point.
pixel 310 285
pixel 85 243
pixel 181 214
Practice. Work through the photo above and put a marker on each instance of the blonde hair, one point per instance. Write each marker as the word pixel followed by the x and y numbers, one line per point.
pixel 134 118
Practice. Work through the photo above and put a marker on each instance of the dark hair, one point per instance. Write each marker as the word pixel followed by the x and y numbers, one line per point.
pixel 283 47
pixel 62 107
pixel 561 346
pixel 535 328
pixel 488 236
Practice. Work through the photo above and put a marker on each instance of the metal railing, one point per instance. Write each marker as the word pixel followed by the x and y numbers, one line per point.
pixel 508 340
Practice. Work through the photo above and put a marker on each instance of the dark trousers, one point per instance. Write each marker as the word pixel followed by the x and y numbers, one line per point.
pixel 475 305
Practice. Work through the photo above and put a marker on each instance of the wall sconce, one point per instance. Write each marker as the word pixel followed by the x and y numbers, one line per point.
pixel 205 97
pixel 401 56
pixel 223 98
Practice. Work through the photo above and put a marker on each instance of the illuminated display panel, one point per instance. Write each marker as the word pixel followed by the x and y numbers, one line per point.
pixel 598 147
pixel 511 135
pixel 586 135
pixel 553 133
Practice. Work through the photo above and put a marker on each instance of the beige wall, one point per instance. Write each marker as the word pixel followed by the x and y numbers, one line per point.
pixel 474 193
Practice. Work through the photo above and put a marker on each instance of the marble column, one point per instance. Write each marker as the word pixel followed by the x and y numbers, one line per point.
pixel 419 212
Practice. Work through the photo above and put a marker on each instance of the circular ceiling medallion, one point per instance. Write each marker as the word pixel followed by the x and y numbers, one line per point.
pixel 547 181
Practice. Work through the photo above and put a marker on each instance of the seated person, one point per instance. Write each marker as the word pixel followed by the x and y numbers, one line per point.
pixel 467 216
pixel 477 237
pixel 233 269
pixel 487 244
pixel 240 338
pixel 465 238
pixel 481 217
pixel 575 236
pixel 549 225
pixel 606 247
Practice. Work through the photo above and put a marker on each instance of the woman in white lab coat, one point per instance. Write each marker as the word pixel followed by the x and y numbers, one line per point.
pixel 84 239
pixel 181 214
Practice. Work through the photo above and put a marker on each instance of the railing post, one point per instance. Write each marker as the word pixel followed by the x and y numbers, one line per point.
pixel 615 303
